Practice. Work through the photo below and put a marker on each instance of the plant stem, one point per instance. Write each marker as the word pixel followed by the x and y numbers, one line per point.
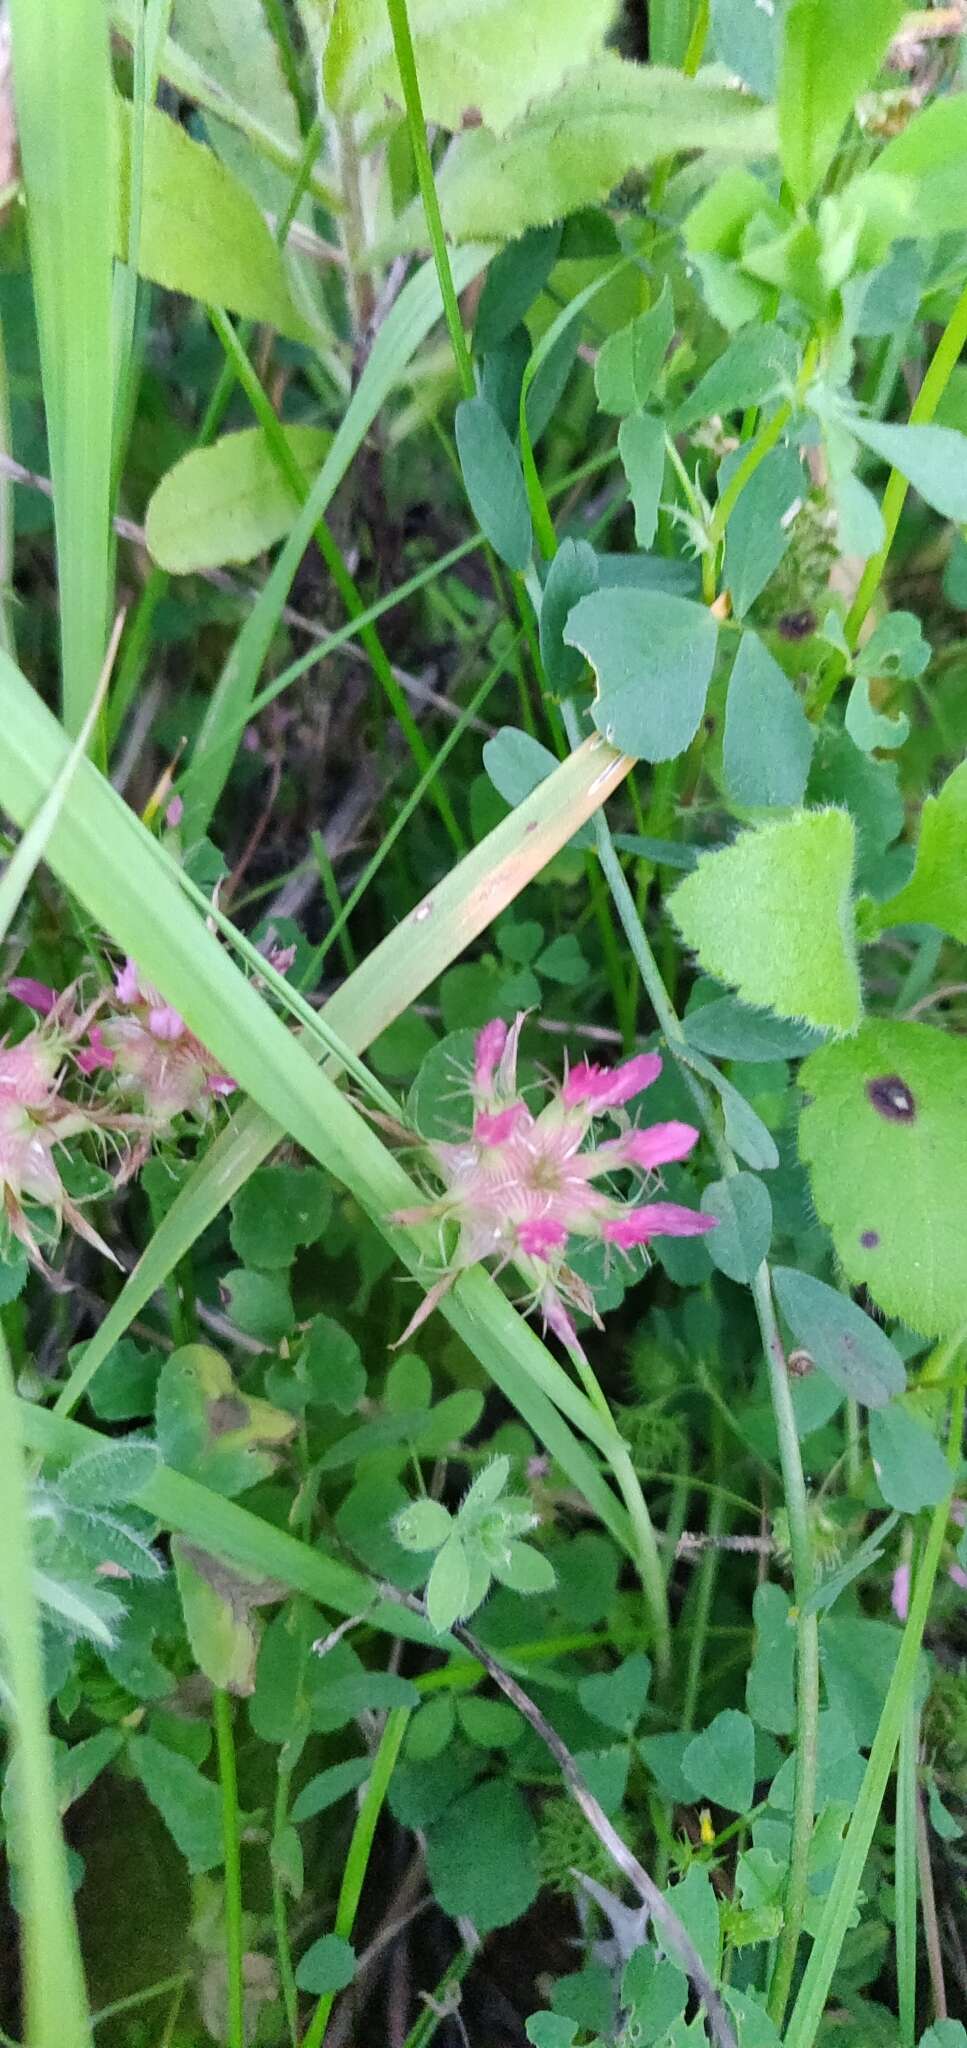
pixel 357 1860
pixel 403 45
pixel 283 1950
pixel 704 1590
pixel 905 1876
pixel 231 1845
pixel 807 2012
pixel 807 1632
pixel 55 2001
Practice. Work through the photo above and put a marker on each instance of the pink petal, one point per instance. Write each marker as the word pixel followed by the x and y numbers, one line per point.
pixel 165 1023
pixel 175 812
pixel 494 1127
pixel 488 1046
pixel 127 987
pixel 220 1084
pixel 556 1318
pixel 959 1576
pixel 97 1053
pixel 655 1219
pixel 658 1144
pixel 37 994
pixel 900 1592
pixel 608 1087
pixel 537 1236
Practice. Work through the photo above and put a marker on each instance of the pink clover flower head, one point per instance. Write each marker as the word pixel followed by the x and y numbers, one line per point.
pixel 609 1087
pixel 521 1183
pixel 35 1120
pixel 155 1058
pixel 96 1054
pixel 37 995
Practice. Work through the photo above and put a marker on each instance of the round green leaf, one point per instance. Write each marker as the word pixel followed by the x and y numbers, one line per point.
pixel 525 1569
pixel 277 1210
pixel 744 1213
pixel 843 1342
pixel 653 656
pixel 482 1856
pixel 329 1965
pixel 423 1525
pixel 884 1135
pixel 720 1763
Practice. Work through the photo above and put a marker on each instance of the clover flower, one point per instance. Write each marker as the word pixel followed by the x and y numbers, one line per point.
pixel 519 1185
pixel 154 1057
pixel 36 1119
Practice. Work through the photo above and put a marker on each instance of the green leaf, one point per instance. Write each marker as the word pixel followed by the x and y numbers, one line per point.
pixel 655 1993
pixel 260 1303
pixel 937 890
pixel 653 656
pixel 629 362
pixel 772 914
pixel 331 1367
pixel 492 1724
pixel 768 742
pixel 108 1478
pixel 641 446
pixel 576 146
pixel 486 58
pixel 280 1209
pixel 524 1569
pixel 728 1031
pixel 933 459
pixel 188 1804
pixel 328 1966
pixel 201 232
pixel 944 2034
pixel 869 728
pixel 448 1587
pixel 746 38
pixel 770 1691
pixel 517 764
pixel 481 1856
pixel 228 502
pixel 494 481
pixel 759 532
pixel 942 1822
pixel 720 1763
pixel 573 574
pixel 513 281
pixel 896 647
pixel 550 2030
pixel 618 1697
pixel 884 1136
pixel 840 1338
pixel 911 1469
pixel 328 1787
pixel 124 1389
pixel 694 1900
pixel 210 1430
pixel 752 369
pixel 931 152
pixel 744 1232
pixel 423 1525
pixel 828 57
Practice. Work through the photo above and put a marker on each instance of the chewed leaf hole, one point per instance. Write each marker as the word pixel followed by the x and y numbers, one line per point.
pixel 892 1098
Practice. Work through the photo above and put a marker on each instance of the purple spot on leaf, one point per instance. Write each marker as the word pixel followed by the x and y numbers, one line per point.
pixel 869 1240
pixel 891 1097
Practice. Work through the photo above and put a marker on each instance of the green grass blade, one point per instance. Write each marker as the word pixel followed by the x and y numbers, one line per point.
pixel 416 311
pixel 115 868
pixel 62 82
pixel 360 1849
pixel 55 2001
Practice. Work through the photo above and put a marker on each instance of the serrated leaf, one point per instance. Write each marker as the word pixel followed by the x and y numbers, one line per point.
pixel 720 1763
pixel 768 741
pixel 884 1135
pixel 629 362
pixel 911 1470
pixel 772 915
pixel 573 574
pixel 653 656
pixel 228 502
pixel 576 146
pixel 494 481
pixel 937 890
pixel 641 446
pixel 842 1340
pixel 744 1211
pixel 485 59
pixel 828 57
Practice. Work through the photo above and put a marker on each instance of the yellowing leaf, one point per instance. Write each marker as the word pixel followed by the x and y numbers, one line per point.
pixel 228 502
pixel 488 58
pixel 772 915
pixel 201 231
